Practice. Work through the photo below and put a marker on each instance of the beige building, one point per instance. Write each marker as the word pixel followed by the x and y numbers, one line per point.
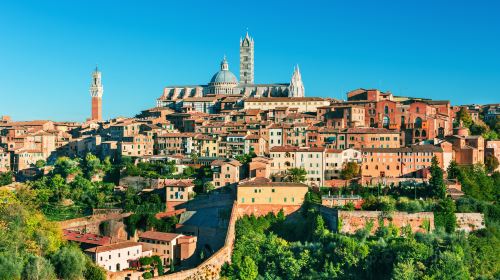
pixel 225 172
pixel 271 193
pixel 303 104
pixel 335 160
pixel 4 160
pixel 169 246
pixel 312 159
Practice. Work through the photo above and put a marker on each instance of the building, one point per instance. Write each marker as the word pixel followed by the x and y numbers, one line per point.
pixel 96 91
pixel 169 246
pixel 177 191
pixel 225 172
pixel 412 161
pixel 312 159
pixel 4 160
pixel 303 104
pixel 118 256
pixel 225 83
pixel 276 193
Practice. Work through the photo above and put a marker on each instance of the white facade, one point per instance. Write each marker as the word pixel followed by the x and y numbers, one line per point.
pixel 115 257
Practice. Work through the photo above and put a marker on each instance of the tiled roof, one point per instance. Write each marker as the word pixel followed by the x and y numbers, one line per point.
pixel 111 247
pixel 157 235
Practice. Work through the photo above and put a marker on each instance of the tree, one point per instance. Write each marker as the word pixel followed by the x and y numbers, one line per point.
pixel 297 175
pixel 38 268
pixel 404 270
pixel 40 163
pixel 436 182
pixel 248 269
pixel 69 262
pixel 208 187
pixel 350 170
pixel 464 117
pixel 444 215
pixel 453 171
pixel 10 267
pixel 158 264
pixel 5 178
pixel 491 162
pixel 93 271
pixel 65 166
pixel 194 157
pixel 146 261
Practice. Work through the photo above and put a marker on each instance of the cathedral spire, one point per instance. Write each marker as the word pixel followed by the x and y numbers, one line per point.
pixel 296 88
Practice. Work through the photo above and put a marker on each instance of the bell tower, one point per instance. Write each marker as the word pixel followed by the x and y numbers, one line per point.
pixel 96 91
pixel 246 60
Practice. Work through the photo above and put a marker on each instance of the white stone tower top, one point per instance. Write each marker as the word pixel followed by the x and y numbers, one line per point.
pixel 96 89
pixel 296 88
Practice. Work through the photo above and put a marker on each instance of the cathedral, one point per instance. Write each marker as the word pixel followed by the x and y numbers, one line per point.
pixel 225 83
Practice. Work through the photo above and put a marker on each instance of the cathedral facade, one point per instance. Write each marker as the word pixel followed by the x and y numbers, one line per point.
pixel 224 82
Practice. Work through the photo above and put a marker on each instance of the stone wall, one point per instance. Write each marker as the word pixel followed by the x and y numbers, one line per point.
pixel 210 268
pixel 470 221
pixel 351 221
pixel 264 209
pixel 91 223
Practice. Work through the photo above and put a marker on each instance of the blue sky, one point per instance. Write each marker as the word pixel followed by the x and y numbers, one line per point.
pixel 426 48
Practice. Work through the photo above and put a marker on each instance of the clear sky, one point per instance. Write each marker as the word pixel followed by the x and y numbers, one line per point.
pixel 447 49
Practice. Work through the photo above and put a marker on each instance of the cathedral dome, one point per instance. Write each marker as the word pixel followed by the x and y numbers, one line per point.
pixel 224 75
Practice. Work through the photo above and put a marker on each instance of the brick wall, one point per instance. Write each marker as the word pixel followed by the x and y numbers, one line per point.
pixel 470 221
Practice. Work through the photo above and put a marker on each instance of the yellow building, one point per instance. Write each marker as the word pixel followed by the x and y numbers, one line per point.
pixel 277 193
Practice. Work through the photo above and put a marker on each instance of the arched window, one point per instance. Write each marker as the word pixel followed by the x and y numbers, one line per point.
pixel 402 121
pixel 376 167
pixel 424 134
pixel 386 110
pixel 418 122
pixel 418 109
pixel 388 167
pixel 417 133
pixel 385 122
pixel 372 122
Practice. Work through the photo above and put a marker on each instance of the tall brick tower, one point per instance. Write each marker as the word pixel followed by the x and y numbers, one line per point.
pixel 96 91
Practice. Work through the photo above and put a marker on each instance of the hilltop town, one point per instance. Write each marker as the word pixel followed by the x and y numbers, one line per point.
pixel 186 189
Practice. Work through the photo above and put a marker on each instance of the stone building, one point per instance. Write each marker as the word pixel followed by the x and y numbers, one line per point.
pixel 225 83
pixel 170 247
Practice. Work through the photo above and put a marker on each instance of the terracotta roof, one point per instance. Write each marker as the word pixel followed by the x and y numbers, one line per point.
pixel 158 235
pixel 111 247
pixel 90 238
pixel 296 149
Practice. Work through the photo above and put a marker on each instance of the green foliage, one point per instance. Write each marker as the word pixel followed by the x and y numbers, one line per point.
pixel 146 261
pixel 147 275
pixel 93 271
pixel 5 178
pixel 37 267
pixel 444 215
pixel 247 270
pixel 436 182
pixel 10 267
pixel 69 262
pixel 476 183
pixel 464 117
pixel 350 170
pixel 297 175
pixel 158 264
